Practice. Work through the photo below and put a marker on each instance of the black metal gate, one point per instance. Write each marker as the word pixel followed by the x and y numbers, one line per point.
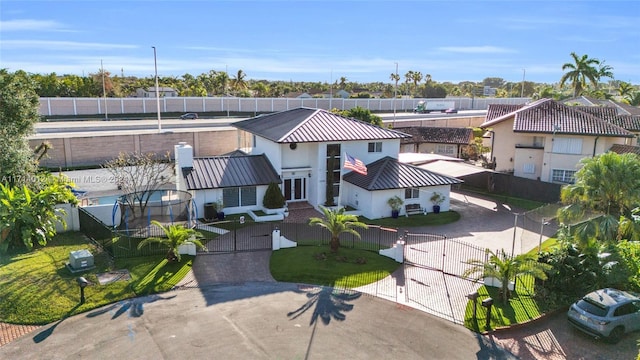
pixel 251 238
pixel 436 252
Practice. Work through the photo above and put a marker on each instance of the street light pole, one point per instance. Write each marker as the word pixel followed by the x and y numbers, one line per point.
pixel 524 71
pixel 155 64
pixel 104 92
pixel 515 227
pixel 395 95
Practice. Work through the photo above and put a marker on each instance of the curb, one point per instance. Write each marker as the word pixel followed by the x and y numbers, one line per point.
pixel 526 323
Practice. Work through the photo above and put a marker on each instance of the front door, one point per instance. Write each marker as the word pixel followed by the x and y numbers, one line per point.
pixel 295 189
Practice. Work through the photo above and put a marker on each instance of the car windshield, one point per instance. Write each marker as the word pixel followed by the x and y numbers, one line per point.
pixel 591 307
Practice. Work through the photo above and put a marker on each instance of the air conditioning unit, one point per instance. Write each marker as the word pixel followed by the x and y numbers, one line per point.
pixel 80 260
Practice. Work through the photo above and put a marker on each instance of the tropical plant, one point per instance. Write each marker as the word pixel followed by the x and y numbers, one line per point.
pixel 506 268
pixel 360 113
pixel 337 222
pixel 175 235
pixel 437 198
pixel 582 69
pixel 395 203
pixel 29 217
pixel 607 184
pixel 238 83
pixel 273 198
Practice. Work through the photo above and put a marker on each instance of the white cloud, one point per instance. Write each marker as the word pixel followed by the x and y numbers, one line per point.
pixel 31 25
pixel 61 45
pixel 476 49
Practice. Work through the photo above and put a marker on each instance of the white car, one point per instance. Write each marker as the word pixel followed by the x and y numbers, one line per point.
pixel 606 313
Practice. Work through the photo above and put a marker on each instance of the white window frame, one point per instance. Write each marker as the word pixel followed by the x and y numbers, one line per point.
pixel 414 193
pixel 567 145
pixel 446 149
pixel 563 176
pixel 374 147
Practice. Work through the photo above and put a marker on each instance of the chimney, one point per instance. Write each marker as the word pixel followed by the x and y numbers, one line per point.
pixel 184 163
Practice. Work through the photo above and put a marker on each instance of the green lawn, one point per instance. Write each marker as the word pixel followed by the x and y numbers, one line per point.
pixel 37 288
pixel 349 268
pixel 415 220
pixel 522 307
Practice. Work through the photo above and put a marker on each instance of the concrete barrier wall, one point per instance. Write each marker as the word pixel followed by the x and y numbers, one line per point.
pixel 96 150
pixel 122 106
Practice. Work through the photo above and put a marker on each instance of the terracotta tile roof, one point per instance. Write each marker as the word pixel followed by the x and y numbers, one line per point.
pixel 498 110
pixel 625 149
pixel 437 135
pixel 603 112
pixel 230 171
pixel 548 116
pixel 629 122
pixel 621 108
pixel 389 173
pixel 313 125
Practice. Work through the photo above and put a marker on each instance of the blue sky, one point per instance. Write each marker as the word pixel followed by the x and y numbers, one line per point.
pixel 321 40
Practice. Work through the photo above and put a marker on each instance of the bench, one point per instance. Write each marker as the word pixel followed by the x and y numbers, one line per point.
pixel 413 209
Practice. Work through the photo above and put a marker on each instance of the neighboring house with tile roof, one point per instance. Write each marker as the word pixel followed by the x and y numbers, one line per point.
pixel 621 108
pixel 436 140
pixel 305 148
pixel 151 92
pixel 546 139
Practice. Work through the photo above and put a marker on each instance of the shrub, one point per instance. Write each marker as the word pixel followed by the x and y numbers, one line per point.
pixel 273 198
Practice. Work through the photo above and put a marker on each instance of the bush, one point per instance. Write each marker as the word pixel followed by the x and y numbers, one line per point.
pixel 273 198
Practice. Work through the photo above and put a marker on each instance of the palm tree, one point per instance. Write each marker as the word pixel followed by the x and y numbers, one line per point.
pixel 221 83
pixel 238 83
pixel 417 77
pixel 607 184
pixel 343 82
pixel 506 268
pixel 337 222
pixel 625 89
pixel 408 78
pixel 176 235
pixel 582 69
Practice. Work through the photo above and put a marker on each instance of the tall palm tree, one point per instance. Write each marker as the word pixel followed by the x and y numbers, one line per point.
pixel 176 235
pixel 337 222
pixel 506 268
pixel 395 77
pixel 582 69
pixel 417 77
pixel 221 82
pixel 238 83
pixel 343 82
pixel 408 78
pixel 625 89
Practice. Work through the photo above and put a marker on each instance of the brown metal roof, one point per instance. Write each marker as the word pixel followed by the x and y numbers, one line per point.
pixel 389 173
pixel 313 125
pixel 230 171
pixel 551 117
pixel 440 135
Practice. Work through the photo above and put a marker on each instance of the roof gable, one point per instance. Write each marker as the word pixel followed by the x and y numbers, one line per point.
pixel 303 124
pixel 230 171
pixel 551 117
pixel 389 173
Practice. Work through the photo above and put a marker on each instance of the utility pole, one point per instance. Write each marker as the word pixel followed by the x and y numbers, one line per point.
pixel 104 92
pixel 524 71
pixel 155 65
pixel 395 96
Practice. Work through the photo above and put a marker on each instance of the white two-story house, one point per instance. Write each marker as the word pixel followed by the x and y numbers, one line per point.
pixel 303 150
pixel 546 139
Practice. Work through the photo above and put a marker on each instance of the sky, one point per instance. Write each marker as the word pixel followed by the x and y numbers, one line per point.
pixel 321 41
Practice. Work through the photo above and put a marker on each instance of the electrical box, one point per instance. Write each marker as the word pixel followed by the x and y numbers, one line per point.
pixel 80 260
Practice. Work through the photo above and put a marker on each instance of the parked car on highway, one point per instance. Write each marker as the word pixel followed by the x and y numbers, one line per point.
pixel 189 116
pixel 606 313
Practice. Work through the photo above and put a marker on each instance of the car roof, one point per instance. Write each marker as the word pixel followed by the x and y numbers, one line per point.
pixel 609 297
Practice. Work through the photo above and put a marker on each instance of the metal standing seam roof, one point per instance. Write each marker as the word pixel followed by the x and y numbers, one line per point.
pixel 437 135
pixel 304 125
pixel 389 173
pixel 230 171
pixel 551 117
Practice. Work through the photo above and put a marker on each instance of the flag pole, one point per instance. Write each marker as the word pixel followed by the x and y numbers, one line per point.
pixel 340 186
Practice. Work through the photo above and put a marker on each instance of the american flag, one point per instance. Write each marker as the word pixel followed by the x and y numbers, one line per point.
pixel 354 164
